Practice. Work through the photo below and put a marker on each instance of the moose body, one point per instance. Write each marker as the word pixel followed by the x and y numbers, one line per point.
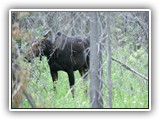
pixel 63 53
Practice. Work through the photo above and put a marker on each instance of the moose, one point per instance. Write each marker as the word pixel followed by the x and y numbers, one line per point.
pixel 63 53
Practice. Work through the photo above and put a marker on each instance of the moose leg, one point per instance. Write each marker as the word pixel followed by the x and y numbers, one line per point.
pixel 84 73
pixel 54 75
pixel 71 81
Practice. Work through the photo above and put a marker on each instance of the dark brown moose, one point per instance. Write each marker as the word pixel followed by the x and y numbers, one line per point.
pixel 63 53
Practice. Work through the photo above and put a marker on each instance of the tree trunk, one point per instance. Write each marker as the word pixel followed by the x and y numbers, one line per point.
pixel 96 100
pixel 109 82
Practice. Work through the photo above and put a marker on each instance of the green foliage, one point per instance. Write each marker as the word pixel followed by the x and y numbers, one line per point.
pixel 38 31
pixel 41 89
pixel 23 15
pixel 129 90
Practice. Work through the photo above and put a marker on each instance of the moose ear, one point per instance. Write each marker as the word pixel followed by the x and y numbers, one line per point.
pixel 47 34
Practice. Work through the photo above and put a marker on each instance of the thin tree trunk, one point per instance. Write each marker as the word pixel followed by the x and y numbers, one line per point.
pixel 96 100
pixel 109 82
pixel 30 99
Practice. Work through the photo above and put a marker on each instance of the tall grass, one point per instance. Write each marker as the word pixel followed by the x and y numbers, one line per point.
pixel 129 90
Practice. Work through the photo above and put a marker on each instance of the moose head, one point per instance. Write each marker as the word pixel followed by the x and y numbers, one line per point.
pixel 40 47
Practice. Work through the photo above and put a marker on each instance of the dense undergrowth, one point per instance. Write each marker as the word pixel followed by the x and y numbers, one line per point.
pixel 128 89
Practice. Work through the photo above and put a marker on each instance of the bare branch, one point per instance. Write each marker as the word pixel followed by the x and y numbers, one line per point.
pixel 131 69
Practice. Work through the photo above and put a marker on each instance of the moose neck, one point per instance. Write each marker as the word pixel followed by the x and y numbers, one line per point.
pixel 48 48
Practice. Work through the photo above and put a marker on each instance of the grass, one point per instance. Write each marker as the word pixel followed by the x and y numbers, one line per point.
pixel 129 90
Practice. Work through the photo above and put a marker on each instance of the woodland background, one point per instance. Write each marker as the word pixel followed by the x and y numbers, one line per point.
pixel 123 36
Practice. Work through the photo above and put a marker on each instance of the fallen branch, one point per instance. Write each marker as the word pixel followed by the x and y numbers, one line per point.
pixel 131 69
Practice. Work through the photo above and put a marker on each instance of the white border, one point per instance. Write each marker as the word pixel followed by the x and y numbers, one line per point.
pixel 83 10
pixel 150 62
pixel 80 110
pixel 10 39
